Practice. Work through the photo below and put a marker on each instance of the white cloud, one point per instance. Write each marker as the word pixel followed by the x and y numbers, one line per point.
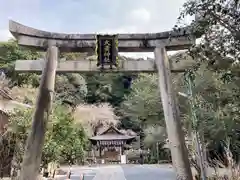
pixel 5 35
pixel 138 55
pixel 148 16
pixel 140 15
pixel 123 29
pixel 134 25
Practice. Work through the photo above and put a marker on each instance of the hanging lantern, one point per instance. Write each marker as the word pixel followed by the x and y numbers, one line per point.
pixel 107 51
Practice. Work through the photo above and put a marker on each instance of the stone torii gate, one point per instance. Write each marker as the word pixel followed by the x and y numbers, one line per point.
pixel 55 42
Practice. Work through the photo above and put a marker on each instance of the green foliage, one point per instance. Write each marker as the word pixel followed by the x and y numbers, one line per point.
pixel 70 88
pixel 9 53
pixel 73 56
pixel 217 23
pixel 217 109
pixel 143 103
pixel 154 135
pixel 217 85
pixel 64 141
pixel 17 131
pixel 106 88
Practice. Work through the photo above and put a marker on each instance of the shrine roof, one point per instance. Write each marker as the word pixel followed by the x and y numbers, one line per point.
pixel 111 133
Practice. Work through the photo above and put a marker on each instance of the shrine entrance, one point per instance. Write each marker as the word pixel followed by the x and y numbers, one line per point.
pixel 110 146
pixel 106 48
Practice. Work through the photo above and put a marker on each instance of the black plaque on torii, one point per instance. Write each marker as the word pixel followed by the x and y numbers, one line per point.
pixel 107 51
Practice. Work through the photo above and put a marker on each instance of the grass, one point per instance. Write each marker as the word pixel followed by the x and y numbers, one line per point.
pixel 223 172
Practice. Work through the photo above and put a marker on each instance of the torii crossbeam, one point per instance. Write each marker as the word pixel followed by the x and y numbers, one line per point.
pixel 143 42
pixel 30 37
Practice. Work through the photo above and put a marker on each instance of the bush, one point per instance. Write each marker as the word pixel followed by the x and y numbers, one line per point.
pixel 64 141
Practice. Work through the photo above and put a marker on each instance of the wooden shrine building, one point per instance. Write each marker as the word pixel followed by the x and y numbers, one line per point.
pixel 110 144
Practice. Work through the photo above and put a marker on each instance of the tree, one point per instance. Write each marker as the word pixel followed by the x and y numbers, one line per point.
pixel 7 145
pixel 143 103
pixel 109 88
pixel 217 106
pixel 217 23
pixel 95 117
pixel 64 141
pixel 70 89
pixel 155 141
pixel 143 110
pixel 217 109
pixel 154 135
pixel 16 131
pixel 9 53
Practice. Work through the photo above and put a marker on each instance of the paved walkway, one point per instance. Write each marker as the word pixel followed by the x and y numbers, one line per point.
pixel 123 172
pixel 114 172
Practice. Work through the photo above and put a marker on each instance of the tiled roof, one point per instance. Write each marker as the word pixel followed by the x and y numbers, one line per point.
pixel 111 133
pixel 107 137
pixel 111 130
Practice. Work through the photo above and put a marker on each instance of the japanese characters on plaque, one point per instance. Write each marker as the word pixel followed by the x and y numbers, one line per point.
pixel 107 51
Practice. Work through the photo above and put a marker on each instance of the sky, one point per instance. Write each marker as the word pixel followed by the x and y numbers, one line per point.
pixel 91 16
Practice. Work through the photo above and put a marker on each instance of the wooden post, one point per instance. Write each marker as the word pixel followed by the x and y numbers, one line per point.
pixel 172 117
pixel 33 149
